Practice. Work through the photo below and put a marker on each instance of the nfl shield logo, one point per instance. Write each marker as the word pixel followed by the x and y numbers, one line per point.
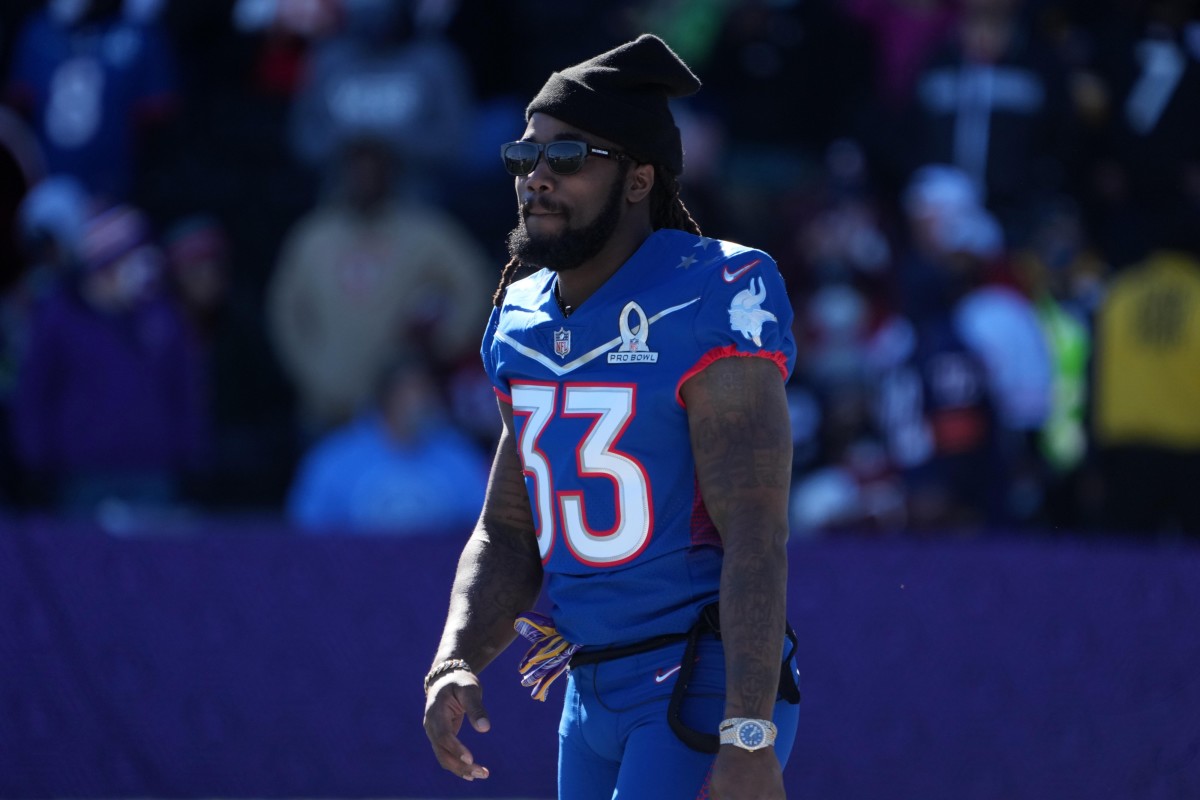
pixel 562 342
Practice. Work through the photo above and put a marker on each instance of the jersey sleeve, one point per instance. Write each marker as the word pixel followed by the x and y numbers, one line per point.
pixel 491 356
pixel 745 311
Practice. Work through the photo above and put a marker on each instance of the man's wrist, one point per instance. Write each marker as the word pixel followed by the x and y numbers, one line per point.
pixel 746 733
pixel 445 667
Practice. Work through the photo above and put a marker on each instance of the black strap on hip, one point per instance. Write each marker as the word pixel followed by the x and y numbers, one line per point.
pixel 710 622
pixel 585 656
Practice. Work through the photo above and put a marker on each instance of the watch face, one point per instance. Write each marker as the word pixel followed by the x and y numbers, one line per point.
pixel 751 734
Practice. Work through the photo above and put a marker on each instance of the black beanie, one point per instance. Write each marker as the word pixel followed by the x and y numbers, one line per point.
pixel 622 96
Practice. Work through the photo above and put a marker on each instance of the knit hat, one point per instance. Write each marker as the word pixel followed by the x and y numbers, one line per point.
pixel 113 234
pixel 622 96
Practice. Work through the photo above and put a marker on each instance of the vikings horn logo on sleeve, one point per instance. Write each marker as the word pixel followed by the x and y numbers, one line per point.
pixel 746 314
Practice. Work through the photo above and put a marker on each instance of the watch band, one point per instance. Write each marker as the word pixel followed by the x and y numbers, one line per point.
pixel 746 733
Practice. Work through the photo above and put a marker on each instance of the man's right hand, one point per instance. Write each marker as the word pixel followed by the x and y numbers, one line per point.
pixel 452 697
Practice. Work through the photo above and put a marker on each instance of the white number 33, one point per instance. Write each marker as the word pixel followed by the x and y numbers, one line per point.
pixel 596 456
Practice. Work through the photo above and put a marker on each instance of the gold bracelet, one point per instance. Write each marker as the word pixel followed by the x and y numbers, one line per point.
pixel 444 667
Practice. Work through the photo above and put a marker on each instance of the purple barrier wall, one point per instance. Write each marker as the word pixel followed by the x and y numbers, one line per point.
pixel 244 661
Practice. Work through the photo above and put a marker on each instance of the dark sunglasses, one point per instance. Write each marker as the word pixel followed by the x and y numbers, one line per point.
pixel 564 157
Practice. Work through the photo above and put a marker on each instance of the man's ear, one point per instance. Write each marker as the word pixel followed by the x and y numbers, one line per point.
pixel 639 182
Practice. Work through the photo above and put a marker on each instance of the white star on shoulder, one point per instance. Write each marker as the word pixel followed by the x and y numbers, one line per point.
pixel 684 263
pixel 704 242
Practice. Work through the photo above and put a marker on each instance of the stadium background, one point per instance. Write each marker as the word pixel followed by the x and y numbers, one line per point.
pixel 213 648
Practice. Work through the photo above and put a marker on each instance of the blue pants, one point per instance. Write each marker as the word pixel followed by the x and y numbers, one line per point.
pixel 614 739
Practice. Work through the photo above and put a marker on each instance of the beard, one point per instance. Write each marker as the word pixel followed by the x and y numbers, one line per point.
pixel 572 247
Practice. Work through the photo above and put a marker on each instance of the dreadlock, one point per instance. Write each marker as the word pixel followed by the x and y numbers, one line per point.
pixel 666 206
pixel 666 211
pixel 506 277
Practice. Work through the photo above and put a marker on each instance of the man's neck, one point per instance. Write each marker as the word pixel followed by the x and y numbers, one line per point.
pixel 577 285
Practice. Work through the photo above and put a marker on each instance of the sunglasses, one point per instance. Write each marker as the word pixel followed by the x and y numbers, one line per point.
pixel 564 157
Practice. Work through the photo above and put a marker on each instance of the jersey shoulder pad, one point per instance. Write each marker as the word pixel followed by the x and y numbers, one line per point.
pixel 745 304
pixel 526 292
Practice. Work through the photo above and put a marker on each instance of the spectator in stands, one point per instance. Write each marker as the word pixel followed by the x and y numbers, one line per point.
pixel 197 251
pixel 959 249
pixel 92 82
pixel 399 467
pixel 964 374
pixel 109 402
pixel 842 290
pixel 1147 58
pixel 383 76
pixel 366 274
pixel 1060 270
pixel 252 441
pixel 993 102
pixel 49 225
pixel 1147 396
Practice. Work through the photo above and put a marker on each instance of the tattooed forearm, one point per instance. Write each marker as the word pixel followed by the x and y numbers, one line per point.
pixel 753 614
pixel 494 583
pixel 742 447
pixel 499 572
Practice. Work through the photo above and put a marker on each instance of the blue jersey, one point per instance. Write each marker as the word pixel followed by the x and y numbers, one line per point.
pixel 627 545
pixel 88 87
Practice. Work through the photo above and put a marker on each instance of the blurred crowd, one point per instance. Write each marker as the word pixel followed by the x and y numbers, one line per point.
pixel 247 249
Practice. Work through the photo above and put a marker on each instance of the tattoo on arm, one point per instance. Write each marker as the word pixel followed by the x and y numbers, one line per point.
pixel 741 442
pixel 737 430
pixel 500 570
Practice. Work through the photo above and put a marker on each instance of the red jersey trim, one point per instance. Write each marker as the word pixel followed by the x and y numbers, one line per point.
pixel 728 351
pixel 507 398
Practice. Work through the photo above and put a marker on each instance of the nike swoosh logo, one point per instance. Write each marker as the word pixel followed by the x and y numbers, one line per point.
pixel 730 277
pixel 662 676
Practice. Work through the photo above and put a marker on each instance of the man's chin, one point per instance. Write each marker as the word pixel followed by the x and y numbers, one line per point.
pixel 550 242
pixel 548 261
pixel 538 250
pixel 541 240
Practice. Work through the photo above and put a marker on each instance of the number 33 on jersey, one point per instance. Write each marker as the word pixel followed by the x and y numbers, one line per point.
pixel 602 430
